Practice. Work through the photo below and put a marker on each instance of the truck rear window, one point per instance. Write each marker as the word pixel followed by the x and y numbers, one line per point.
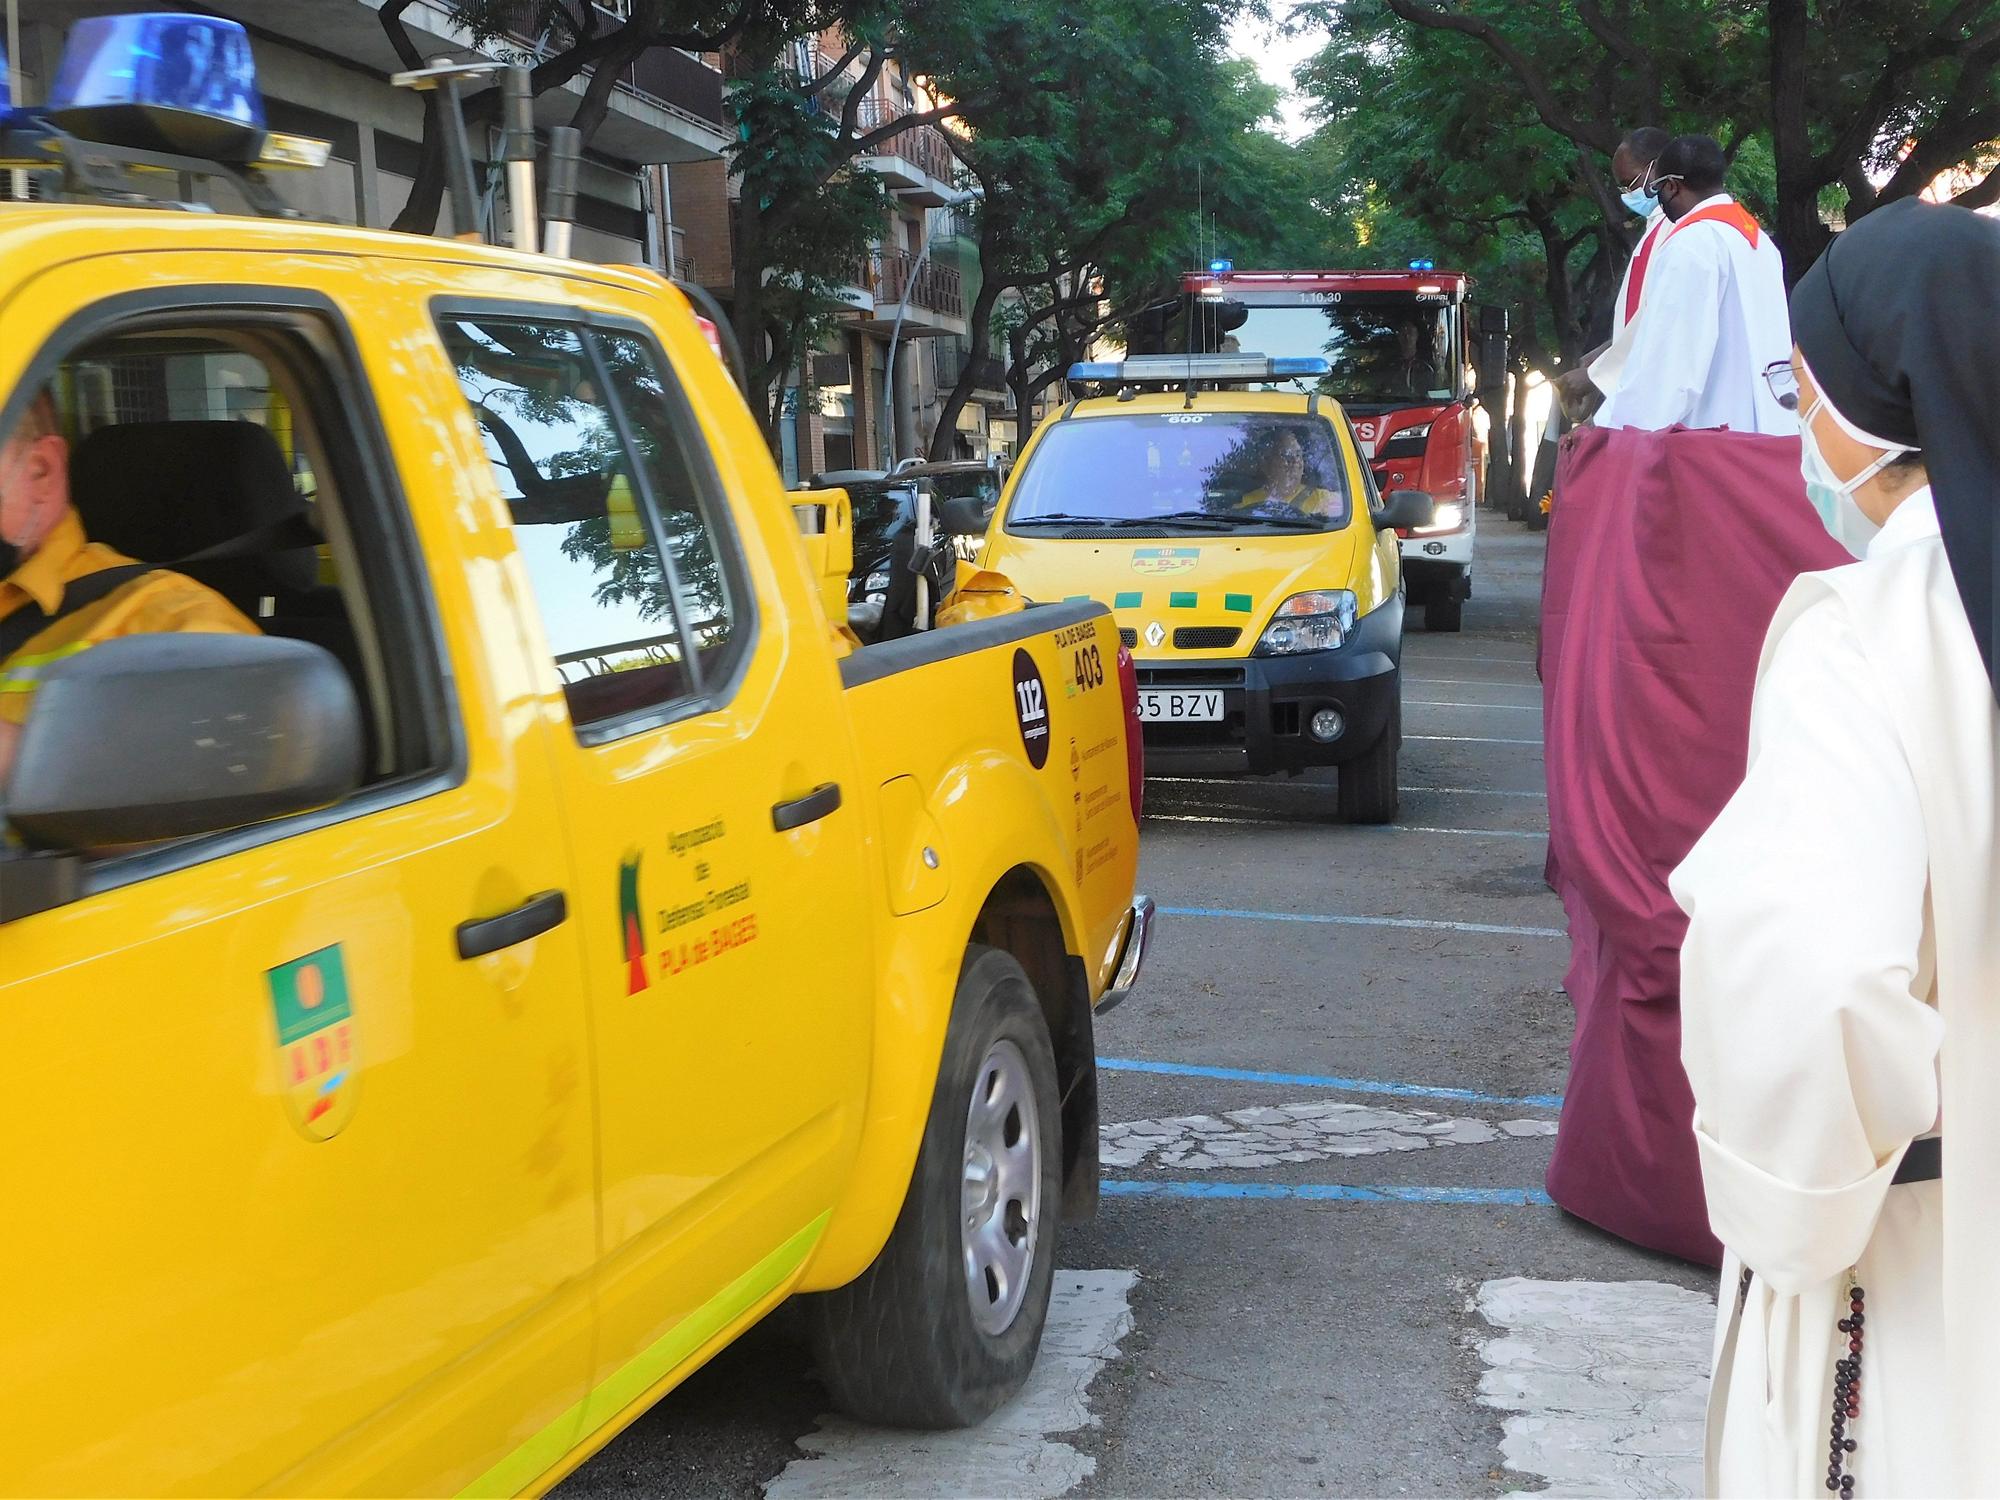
pixel 1173 472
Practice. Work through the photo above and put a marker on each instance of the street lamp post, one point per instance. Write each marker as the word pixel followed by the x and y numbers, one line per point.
pixel 895 333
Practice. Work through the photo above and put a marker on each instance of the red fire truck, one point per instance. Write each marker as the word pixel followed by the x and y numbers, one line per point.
pixel 1402 369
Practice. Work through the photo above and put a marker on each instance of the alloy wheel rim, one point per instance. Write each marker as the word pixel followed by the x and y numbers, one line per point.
pixel 1001 1196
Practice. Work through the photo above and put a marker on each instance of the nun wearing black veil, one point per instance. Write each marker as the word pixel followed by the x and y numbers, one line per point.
pixel 1840 989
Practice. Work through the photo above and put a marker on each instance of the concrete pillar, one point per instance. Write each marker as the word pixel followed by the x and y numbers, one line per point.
pixel 367 195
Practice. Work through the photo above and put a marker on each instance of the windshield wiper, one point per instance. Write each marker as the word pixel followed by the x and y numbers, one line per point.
pixel 1197 518
pixel 1289 523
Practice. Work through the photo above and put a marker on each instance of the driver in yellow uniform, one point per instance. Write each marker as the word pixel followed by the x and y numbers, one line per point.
pixel 43 550
pixel 1283 470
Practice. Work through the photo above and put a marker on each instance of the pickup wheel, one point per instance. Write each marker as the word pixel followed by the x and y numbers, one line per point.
pixel 1367 792
pixel 1446 611
pixel 944 1326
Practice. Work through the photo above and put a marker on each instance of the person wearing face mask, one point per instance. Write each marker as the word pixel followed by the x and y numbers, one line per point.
pixel 1633 167
pixel 1842 956
pixel 60 593
pixel 1713 311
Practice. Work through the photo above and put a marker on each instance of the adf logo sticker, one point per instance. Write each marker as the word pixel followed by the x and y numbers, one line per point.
pixel 632 924
pixel 315 1026
pixel 1165 559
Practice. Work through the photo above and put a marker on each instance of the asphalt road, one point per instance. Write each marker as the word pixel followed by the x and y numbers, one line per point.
pixel 1289 1334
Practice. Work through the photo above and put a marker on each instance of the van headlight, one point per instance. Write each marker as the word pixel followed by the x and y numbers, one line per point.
pixel 1319 621
pixel 1450 516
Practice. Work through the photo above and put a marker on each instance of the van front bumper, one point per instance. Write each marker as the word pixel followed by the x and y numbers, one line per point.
pixel 1268 702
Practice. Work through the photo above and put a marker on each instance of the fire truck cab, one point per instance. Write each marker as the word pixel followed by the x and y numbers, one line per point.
pixel 1400 365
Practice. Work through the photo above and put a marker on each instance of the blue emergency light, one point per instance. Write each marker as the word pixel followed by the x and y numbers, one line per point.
pixel 1176 369
pixel 1423 265
pixel 167 82
pixel 1221 267
pixel 6 84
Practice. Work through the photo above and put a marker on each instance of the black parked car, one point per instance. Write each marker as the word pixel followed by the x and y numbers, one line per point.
pixel 882 588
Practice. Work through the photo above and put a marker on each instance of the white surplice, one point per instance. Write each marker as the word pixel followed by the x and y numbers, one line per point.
pixel 1840 995
pixel 1712 318
pixel 1608 366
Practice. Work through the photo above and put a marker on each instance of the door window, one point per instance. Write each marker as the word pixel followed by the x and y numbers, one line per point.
pixel 636 597
pixel 233 450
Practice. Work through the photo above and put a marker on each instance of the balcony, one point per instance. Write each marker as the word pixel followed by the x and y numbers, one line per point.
pixel 917 163
pixel 930 286
pixel 951 356
pixel 667 79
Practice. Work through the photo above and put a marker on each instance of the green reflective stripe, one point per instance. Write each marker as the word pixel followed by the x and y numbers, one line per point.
pixel 22 667
pixel 1180 601
pixel 1237 603
pixel 1128 601
pixel 25 673
pixel 547 1448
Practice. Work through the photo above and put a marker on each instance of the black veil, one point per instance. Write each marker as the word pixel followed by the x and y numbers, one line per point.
pixel 1900 320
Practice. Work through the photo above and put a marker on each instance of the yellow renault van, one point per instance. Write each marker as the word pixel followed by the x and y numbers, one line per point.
pixel 1236 533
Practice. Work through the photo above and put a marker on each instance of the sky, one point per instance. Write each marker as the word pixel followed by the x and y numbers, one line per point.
pixel 1276 55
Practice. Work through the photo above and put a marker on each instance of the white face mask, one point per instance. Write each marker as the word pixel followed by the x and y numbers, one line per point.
pixel 1832 496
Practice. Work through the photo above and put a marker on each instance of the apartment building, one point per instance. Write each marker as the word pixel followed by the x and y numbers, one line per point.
pixel 324 68
pixel 909 292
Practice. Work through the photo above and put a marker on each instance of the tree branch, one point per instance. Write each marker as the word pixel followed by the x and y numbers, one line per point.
pixel 1422 13
pixel 1983 193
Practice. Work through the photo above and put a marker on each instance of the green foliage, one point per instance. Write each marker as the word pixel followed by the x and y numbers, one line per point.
pixel 1483 128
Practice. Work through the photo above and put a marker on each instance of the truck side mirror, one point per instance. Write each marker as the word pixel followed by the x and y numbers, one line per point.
pixel 1405 510
pixel 164 736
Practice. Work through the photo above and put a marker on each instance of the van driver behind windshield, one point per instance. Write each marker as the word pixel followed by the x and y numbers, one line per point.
pixel 1290 477
pixel 50 607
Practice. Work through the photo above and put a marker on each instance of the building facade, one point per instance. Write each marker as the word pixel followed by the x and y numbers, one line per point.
pixel 324 68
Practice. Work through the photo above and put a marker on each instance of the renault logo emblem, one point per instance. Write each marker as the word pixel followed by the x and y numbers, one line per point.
pixel 1155 633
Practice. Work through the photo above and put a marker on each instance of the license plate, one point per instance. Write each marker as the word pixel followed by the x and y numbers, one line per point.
pixel 1167 703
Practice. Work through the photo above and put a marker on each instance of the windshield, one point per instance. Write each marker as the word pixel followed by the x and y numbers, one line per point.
pixel 1185 471
pixel 1386 348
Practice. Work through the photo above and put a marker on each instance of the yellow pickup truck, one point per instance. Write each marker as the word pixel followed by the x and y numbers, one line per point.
pixel 510 940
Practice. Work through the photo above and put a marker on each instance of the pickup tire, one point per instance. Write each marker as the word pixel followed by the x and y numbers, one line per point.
pixel 943 1328
pixel 1368 791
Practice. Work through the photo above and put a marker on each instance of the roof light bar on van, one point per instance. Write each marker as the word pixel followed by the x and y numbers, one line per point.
pixel 1178 369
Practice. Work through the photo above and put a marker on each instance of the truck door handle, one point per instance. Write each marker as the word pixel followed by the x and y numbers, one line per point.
pixel 531 918
pixel 810 808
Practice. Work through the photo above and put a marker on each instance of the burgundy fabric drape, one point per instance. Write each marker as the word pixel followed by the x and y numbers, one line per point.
pixel 1668 553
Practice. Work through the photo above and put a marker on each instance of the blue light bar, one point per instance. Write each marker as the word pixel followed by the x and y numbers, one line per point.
pixel 6 84
pixel 1423 265
pixel 1221 267
pixel 161 82
pixel 1178 369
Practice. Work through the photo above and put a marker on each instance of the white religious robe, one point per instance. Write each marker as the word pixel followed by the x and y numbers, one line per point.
pixel 1608 366
pixel 1840 982
pixel 1713 317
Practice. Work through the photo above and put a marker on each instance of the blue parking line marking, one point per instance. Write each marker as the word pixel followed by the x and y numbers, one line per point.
pixel 1319 1081
pixel 1328 1192
pixel 1418 924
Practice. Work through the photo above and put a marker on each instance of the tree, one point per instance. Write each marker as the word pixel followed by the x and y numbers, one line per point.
pixel 1869 99
pixel 1094 201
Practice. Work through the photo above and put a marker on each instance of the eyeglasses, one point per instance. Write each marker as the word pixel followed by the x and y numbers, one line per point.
pixel 1783 380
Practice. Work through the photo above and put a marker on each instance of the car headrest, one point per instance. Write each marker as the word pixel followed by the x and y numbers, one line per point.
pixel 161 491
